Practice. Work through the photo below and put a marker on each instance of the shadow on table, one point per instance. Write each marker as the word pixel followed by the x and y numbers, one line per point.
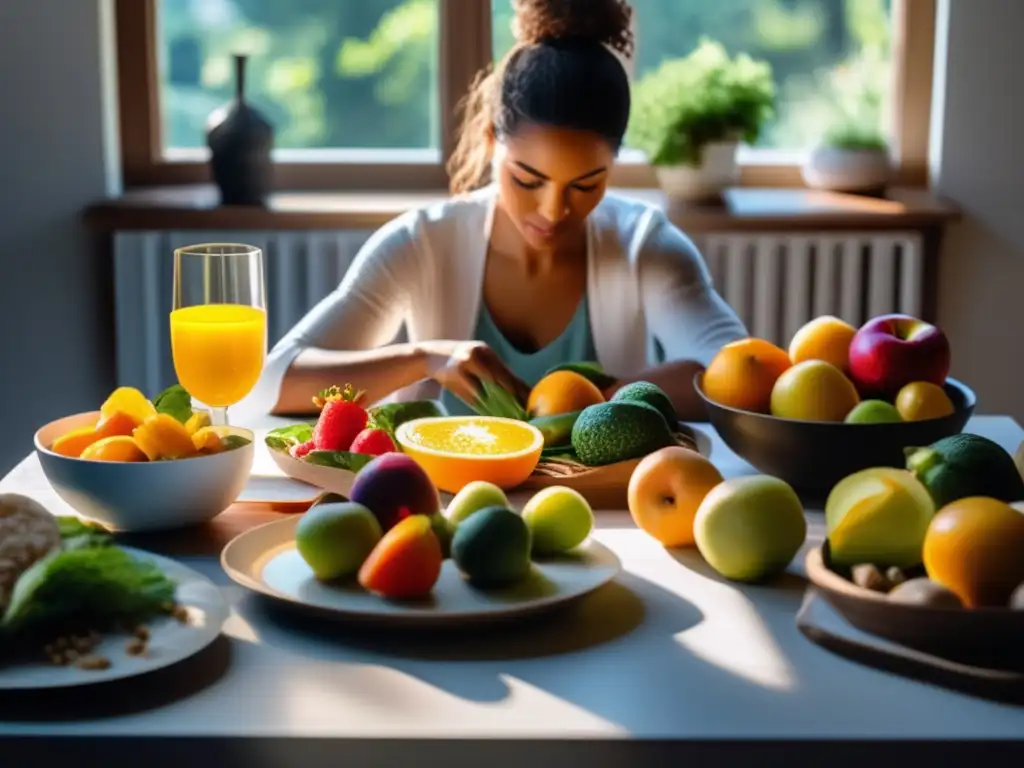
pixel 118 698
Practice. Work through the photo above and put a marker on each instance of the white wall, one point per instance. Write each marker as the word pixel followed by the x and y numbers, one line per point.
pixel 978 163
pixel 55 142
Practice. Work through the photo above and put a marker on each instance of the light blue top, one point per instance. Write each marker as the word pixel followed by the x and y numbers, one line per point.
pixel 574 344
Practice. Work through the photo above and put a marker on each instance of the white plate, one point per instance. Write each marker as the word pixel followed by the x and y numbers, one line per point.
pixel 277 490
pixel 325 478
pixel 264 560
pixel 170 641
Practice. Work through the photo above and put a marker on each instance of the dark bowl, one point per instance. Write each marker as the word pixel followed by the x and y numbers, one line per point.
pixel 813 456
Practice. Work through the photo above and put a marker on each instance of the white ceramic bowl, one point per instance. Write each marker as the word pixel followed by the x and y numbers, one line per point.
pixel 143 496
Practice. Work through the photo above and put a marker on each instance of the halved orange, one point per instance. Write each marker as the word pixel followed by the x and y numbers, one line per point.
pixel 457 450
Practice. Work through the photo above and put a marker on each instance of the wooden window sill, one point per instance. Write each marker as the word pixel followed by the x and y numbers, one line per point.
pixel 744 209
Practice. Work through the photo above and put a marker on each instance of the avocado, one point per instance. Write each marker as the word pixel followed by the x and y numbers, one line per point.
pixel 491 547
pixel 653 395
pixel 963 465
pixel 557 429
pixel 615 431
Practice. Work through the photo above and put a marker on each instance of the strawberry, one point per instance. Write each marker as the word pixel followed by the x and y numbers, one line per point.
pixel 341 418
pixel 301 449
pixel 372 442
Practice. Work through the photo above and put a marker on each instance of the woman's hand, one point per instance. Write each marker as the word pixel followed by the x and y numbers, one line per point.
pixel 462 367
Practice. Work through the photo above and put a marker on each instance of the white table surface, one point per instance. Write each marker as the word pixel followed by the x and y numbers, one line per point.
pixel 668 652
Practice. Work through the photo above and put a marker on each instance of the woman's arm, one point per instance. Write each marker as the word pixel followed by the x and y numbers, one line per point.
pixel 685 313
pixel 346 336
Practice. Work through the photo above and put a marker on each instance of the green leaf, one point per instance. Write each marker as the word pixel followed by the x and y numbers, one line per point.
pixel 175 401
pixel 391 416
pixel 352 462
pixel 234 441
pixel 78 534
pixel 94 584
pixel 283 438
pixel 497 401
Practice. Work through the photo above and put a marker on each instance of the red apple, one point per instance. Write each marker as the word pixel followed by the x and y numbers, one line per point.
pixel 890 351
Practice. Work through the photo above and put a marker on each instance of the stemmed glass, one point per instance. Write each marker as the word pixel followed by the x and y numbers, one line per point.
pixel 219 323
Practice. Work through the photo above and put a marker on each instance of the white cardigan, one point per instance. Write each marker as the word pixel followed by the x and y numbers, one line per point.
pixel 424 271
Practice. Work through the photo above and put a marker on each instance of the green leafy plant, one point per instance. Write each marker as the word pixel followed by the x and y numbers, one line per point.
pixel 854 135
pixel 704 97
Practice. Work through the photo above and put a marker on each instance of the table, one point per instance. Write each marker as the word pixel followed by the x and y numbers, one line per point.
pixel 669 661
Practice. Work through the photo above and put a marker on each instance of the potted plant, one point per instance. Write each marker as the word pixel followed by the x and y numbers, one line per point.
pixel 690 115
pixel 852 157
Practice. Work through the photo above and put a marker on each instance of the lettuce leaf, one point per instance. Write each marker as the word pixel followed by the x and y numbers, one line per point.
pixel 346 460
pixel 283 438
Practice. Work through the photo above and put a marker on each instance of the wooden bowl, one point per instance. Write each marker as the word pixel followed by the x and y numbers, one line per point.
pixel 605 487
pixel 986 637
pixel 812 456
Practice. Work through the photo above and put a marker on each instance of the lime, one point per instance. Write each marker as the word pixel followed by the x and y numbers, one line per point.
pixel 559 519
pixel 874 412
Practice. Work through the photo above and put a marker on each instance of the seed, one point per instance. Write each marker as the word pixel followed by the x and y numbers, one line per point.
pixel 180 613
pixel 93 663
pixel 135 647
pixel 141 632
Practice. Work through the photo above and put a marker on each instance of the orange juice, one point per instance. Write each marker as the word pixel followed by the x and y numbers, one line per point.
pixel 218 351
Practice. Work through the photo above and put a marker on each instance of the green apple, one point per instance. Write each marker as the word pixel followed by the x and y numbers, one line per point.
pixel 559 519
pixel 472 498
pixel 334 539
pixel 879 516
pixel 750 528
pixel 873 412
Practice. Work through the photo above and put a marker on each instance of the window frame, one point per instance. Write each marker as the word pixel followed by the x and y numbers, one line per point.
pixel 464 48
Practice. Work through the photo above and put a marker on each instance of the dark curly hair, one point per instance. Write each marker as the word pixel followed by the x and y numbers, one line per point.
pixel 562 72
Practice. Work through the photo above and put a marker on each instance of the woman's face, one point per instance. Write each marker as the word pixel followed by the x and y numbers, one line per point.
pixel 549 181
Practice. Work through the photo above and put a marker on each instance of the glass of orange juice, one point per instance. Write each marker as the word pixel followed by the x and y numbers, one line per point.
pixel 219 323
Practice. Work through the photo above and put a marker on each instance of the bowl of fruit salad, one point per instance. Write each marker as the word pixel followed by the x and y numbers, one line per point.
pixel 142 465
pixel 838 400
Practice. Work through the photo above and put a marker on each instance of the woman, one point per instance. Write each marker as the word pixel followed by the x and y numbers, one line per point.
pixel 538 267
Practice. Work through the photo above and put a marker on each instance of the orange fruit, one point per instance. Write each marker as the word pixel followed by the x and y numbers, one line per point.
pixel 813 391
pixel 920 400
pixel 164 437
pixel 115 448
pixel 455 451
pixel 77 440
pixel 207 440
pixel 562 392
pixel 665 491
pixel 129 401
pixel 743 373
pixel 405 563
pixel 973 548
pixel 823 338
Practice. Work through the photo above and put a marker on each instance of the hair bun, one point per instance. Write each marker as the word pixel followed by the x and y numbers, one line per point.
pixel 603 21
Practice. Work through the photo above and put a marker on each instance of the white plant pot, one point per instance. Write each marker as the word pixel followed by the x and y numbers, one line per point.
pixel 705 182
pixel 847 170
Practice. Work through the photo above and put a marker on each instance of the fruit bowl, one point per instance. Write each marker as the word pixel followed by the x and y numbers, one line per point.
pixel 988 637
pixel 812 456
pixel 146 495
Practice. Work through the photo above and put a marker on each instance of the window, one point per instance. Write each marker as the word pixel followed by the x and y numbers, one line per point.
pixel 327 74
pixel 827 56
pixel 363 94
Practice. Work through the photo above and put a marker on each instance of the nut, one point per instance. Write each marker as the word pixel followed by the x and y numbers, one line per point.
pixel 93 663
pixel 867 576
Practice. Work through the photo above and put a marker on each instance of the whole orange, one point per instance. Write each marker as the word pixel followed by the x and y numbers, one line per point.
pixel 562 392
pixel 823 338
pixel 743 373
pixel 973 547
pixel 665 491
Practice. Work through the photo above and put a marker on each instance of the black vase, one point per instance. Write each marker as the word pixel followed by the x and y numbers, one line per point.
pixel 240 140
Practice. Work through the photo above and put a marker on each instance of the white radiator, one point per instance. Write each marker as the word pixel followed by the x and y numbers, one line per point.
pixel 775 282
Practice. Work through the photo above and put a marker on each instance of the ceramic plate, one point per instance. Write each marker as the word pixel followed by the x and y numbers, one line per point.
pixel 264 560
pixel 170 640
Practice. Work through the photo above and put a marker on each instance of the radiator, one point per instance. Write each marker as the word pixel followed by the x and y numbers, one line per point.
pixel 775 282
